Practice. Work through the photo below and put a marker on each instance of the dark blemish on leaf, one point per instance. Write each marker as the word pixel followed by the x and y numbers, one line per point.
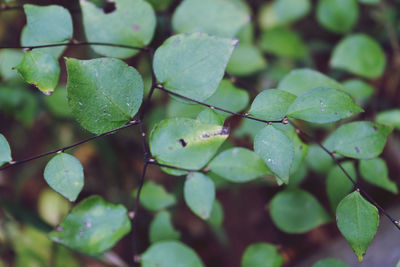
pixel 182 142
pixel 224 131
pixel 300 147
pixel 176 42
pixel 375 128
pixel 66 171
pixel 109 7
pixel 336 113
pixel 59 228
pixel 357 149
pixel 170 148
pixel 136 27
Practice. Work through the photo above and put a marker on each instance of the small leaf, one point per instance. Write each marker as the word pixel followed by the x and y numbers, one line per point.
pixel 178 62
pixel 64 174
pixel 330 262
pixel 239 165
pixel 338 185
pixel 277 151
pixel 318 160
pixel 170 254
pixel 271 104
pixel 323 105
pixel 247 59
pixel 40 69
pixel 261 255
pixel 5 151
pixel 161 228
pixel 359 139
pixel 359 54
pixel 154 197
pixel 217 17
pixel 358 221
pixel 93 226
pixel 300 81
pixel 186 143
pixel 199 194
pixel 359 90
pixel 338 16
pixel 375 172
pixel 103 93
pixel 217 215
pixel 389 117
pixel 297 211
pixel 132 23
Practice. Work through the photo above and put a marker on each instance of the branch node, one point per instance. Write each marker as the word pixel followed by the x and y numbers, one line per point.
pixel 285 120
pixel 131 214
pixel 159 86
pixel 12 162
pixel 151 160
pixel 358 190
pixel 206 169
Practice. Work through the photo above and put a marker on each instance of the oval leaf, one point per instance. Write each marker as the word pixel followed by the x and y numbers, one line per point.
pixel 5 151
pixel 199 194
pixel 161 228
pixel 297 211
pixel 217 215
pixel 375 172
pixel 178 62
pixel 103 93
pixel 323 105
pixel 261 255
pixel 93 226
pixel 154 197
pixel 338 16
pixel 358 221
pixel 64 173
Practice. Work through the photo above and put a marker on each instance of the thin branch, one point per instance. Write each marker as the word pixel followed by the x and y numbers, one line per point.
pixel 59 150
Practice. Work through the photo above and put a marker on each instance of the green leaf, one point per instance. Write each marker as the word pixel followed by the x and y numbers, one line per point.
pixel 93 226
pixel 376 172
pixel 40 69
pixel 177 108
pixel 64 173
pixel 330 262
pixel 161 228
pixel 210 117
pixel 282 12
pixel 338 16
pixel 389 117
pixel 170 254
pixel 247 59
pixel 271 104
pixel 359 90
pixel 217 214
pixel 369 2
pixel 358 221
pixel 239 165
pixel 181 58
pixel 318 160
pixel 338 185
pixel 199 194
pixel 261 255
pixel 248 128
pixel 217 17
pixel 283 42
pixel 323 105
pixel 5 151
pixel 359 139
pixel 9 58
pixel 277 151
pixel 300 81
pixel 47 25
pixel 297 211
pixel 359 54
pixel 132 23
pixel 103 93
pixel 186 143
pixel 57 103
pixel 154 197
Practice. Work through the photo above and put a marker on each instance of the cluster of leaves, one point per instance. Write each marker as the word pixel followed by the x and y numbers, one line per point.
pixel 105 93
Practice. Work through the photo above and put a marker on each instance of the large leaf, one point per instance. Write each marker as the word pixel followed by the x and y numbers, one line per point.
pixel 389 117
pixel 300 81
pixel 338 185
pixel 47 25
pixel 132 23
pixel 277 151
pixel 5 151
pixel 186 143
pixel 40 69
pixel 103 93
pixel 330 262
pixel 238 165
pixel 358 221
pixel 271 104
pixel 217 17
pixel 93 226
pixel 376 172
pixel 247 59
pixel 338 16
pixel 359 54
pixel 170 254
pixel 64 173
pixel 322 105
pixel 360 139
pixel 154 197
pixel 193 64
pixel 199 194
pixel 161 228
pixel 261 255
pixel 297 211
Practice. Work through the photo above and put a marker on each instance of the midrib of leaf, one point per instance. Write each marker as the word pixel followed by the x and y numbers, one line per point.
pixel 112 103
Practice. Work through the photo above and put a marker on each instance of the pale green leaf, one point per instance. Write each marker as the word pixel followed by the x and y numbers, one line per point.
pixel 177 108
pixel 57 103
pixel 247 59
pixel 389 117
pixel 217 214
pixel 376 172
pixel 199 194
pixel 64 174
pixel 103 93
pixel 358 221
pixel 261 255
pixel 330 262
pixel 154 197
pixel 318 160
pixel 359 90
pixel 161 228
pixel 5 151
pixel 93 226
pixel 338 184
pixel 208 116
pixel 9 58
pixel 338 16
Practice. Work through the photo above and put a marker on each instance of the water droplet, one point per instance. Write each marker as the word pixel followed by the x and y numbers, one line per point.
pixel 79 103
pixel 269 160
